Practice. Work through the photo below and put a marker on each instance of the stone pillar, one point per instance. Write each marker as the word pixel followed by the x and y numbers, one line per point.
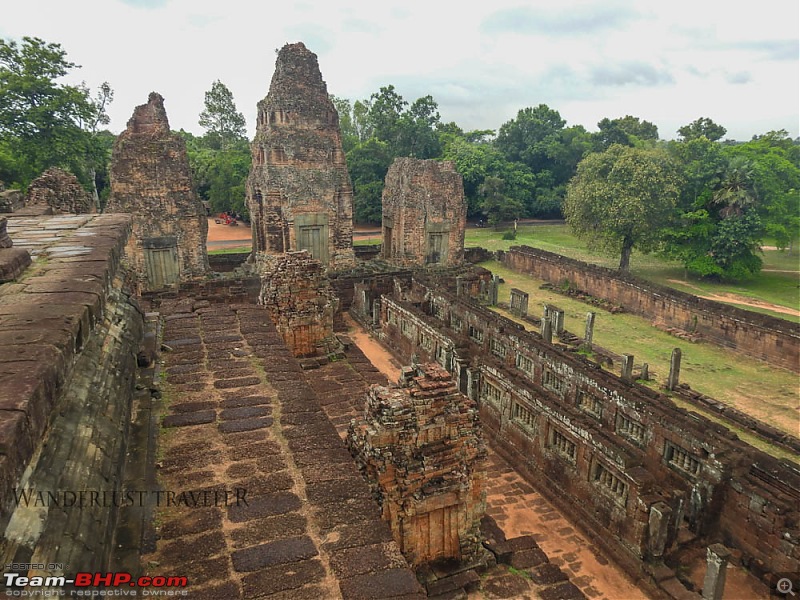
pixel 472 383
pixel 587 337
pixel 717 557
pixel 556 315
pixel 674 369
pixel 627 367
pixel 376 312
pixel 459 286
pixel 493 290
pixel 5 239
pixel 547 331
pixel 518 302
pixel 645 372
pixel 658 530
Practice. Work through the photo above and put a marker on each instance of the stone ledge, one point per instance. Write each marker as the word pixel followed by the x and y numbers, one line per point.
pixel 46 320
pixel 13 261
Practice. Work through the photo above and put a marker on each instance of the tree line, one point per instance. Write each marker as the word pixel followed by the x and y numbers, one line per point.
pixel 705 201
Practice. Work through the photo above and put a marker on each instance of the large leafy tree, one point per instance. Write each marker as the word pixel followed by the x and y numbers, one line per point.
pixel 43 122
pixel 627 130
pixel 368 164
pixel 620 198
pixel 733 195
pixel 224 124
pixel 538 138
pixel 702 127
pixel 477 161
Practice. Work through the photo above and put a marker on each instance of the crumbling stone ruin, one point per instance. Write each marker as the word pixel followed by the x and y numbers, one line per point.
pixel 60 191
pixel 150 178
pixel 421 448
pixel 10 200
pixel 299 192
pixel 648 483
pixel 300 301
pixel 13 261
pixel 424 213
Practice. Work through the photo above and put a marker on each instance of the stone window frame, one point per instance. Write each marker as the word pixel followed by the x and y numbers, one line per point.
pixel 456 323
pixel 391 316
pixel 491 393
pixel 589 403
pixel 552 381
pixel 609 482
pixel 524 416
pixel 441 354
pixel 439 310
pixel 525 364
pixel 562 444
pixel 475 334
pixel 426 340
pixel 681 459
pixel 630 428
pixel 407 328
pixel 497 347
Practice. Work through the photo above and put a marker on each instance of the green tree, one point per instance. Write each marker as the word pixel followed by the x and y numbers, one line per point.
pixel 224 124
pixel 368 164
pixel 418 124
pixel 531 137
pixel 619 198
pixel 478 160
pixel 43 123
pixel 627 131
pixel 702 127
pixel 385 110
pixel 496 205
pixel 346 124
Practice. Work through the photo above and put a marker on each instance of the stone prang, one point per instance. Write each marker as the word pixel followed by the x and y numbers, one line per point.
pixel 421 448
pixel 150 178
pixel 299 192
pixel 424 213
pixel 61 191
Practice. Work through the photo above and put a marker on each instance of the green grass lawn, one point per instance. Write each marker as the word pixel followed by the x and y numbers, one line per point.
pixel 778 283
pixel 767 393
pixel 234 250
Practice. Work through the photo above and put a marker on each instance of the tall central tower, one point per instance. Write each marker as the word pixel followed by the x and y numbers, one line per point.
pixel 299 192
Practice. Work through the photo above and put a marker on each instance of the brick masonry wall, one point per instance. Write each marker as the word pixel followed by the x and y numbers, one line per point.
pixel 423 198
pixel 759 336
pixel 610 449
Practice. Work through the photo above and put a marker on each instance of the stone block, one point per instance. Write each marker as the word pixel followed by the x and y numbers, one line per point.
pixel 274 553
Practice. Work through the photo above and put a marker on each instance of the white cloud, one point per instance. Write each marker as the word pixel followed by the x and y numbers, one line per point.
pixel 669 63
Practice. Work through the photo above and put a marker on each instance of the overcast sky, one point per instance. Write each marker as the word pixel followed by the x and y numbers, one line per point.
pixel 668 62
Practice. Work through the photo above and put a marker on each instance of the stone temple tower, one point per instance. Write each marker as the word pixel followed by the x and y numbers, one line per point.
pixel 299 192
pixel 150 178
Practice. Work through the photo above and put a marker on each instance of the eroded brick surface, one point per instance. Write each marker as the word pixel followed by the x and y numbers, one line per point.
pixel 150 179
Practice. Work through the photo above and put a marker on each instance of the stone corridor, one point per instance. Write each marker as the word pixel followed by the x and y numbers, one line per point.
pixel 240 415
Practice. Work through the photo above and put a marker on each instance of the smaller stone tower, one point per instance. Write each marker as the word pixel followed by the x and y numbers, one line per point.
pixel 150 178
pixel 424 213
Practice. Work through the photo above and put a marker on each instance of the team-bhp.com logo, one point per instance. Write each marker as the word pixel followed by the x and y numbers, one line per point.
pixel 85 584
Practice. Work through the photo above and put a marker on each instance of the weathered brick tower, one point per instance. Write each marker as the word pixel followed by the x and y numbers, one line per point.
pixel 424 213
pixel 150 178
pixel 420 446
pixel 299 192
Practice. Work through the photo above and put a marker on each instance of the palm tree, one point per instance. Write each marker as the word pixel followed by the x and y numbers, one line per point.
pixel 736 192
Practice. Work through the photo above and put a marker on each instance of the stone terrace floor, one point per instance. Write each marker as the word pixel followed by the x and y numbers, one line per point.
pixel 240 415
